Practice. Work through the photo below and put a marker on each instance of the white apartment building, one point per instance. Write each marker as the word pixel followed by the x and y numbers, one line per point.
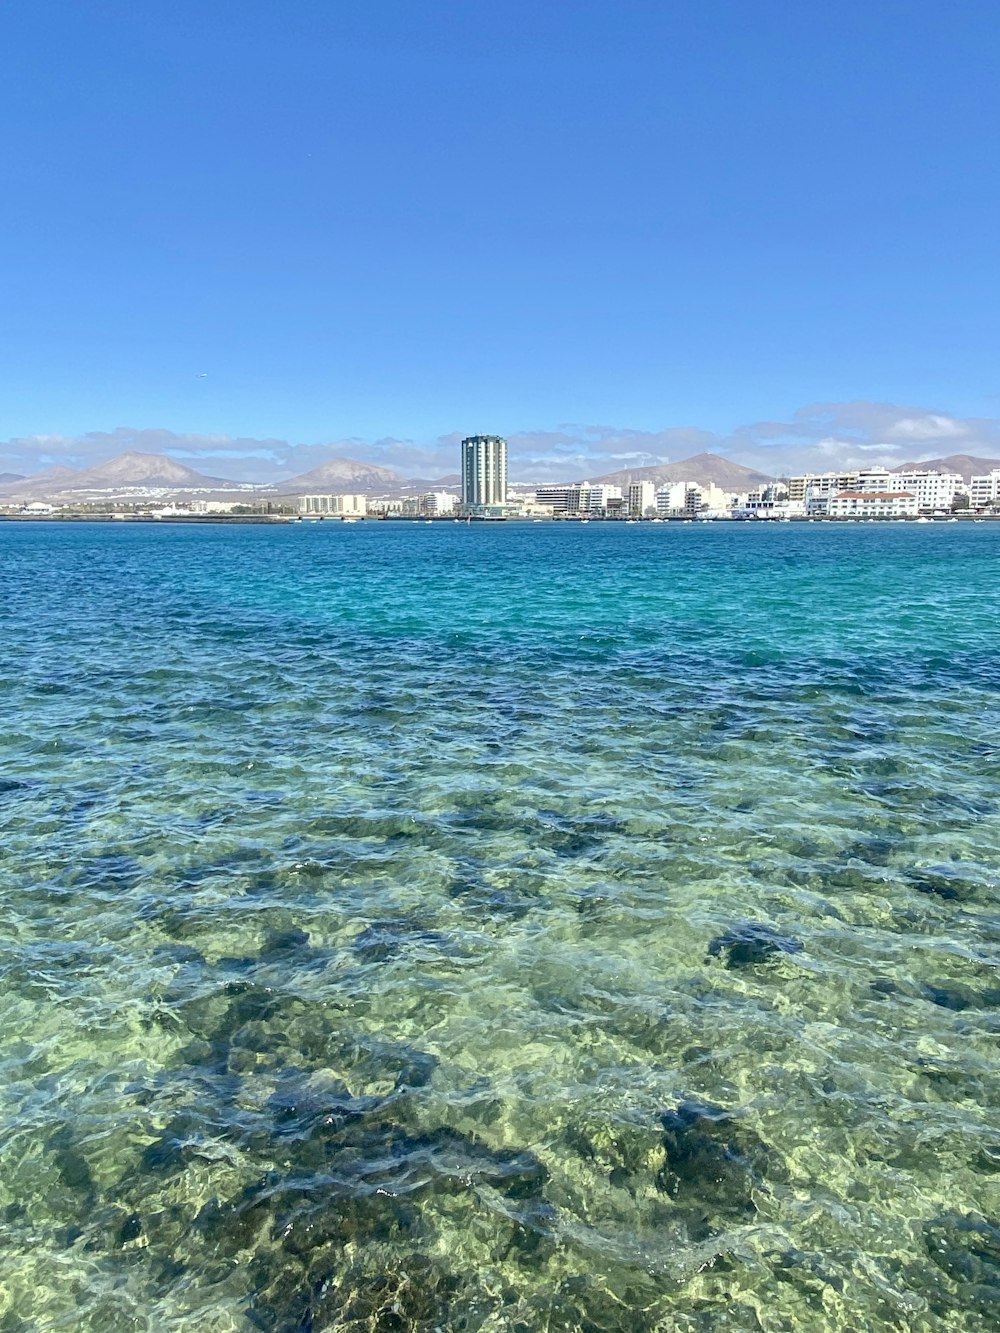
pixel 435 504
pixel 872 504
pixel 594 498
pixel 715 499
pixel 821 483
pixel 560 499
pixel 933 490
pixel 985 489
pixel 583 498
pixel 641 496
pixel 345 506
pixel 767 502
pixel 678 497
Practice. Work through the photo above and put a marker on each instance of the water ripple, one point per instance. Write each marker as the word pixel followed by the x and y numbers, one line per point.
pixel 499 928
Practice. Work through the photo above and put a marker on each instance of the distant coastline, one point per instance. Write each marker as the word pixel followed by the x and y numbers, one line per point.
pixel 403 520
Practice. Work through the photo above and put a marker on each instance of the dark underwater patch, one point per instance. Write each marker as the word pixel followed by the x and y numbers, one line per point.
pixel 752 944
pixel 958 996
pixel 712 1162
pixel 489 901
pixel 950 884
pixel 966 1249
pixel 384 940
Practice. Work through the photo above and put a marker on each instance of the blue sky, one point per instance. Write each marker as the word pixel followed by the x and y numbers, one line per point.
pixel 261 231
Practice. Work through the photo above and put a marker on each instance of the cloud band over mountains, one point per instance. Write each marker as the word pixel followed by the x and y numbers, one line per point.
pixel 818 437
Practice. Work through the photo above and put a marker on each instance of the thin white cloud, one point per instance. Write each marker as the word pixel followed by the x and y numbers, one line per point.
pixel 930 427
pixel 819 436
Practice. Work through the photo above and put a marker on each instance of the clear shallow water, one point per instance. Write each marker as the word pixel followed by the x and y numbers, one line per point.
pixel 499 928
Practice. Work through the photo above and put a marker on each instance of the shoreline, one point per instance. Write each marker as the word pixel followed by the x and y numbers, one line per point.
pixel 235 520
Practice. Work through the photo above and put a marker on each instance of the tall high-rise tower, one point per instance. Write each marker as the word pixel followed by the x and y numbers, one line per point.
pixel 484 470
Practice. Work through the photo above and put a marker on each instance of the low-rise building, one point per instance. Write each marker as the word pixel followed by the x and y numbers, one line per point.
pixel 344 506
pixel 873 504
pixel 435 504
pixel 580 498
pixel 769 501
pixel 984 490
pixel 594 499
pixel 559 499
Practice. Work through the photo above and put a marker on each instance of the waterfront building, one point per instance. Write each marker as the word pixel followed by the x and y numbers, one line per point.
pixel 821 484
pixel 641 497
pixel 594 499
pixel 559 499
pixel 934 491
pixel 343 506
pixel 714 498
pixel 581 498
pixel 873 504
pixel 769 501
pixel 435 504
pixel 985 489
pixel 484 471
pixel 671 499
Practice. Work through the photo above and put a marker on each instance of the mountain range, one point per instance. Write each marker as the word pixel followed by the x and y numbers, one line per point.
pixel 967 465
pixel 128 470
pixel 702 468
pixel 135 470
pixel 341 474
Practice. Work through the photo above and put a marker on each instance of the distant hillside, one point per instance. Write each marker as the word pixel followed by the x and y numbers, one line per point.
pixel 6 477
pixel 343 474
pixel 452 482
pixel 703 468
pixel 965 464
pixel 49 482
pixel 135 469
pixel 124 472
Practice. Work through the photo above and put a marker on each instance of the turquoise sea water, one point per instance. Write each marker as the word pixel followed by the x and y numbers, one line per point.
pixel 501 927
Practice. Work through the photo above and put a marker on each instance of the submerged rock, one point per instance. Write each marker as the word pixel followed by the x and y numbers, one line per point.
pixel 956 995
pixel 950 885
pixel 384 940
pixel 711 1160
pixel 966 1248
pixel 284 943
pixel 383 1187
pixel 752 943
